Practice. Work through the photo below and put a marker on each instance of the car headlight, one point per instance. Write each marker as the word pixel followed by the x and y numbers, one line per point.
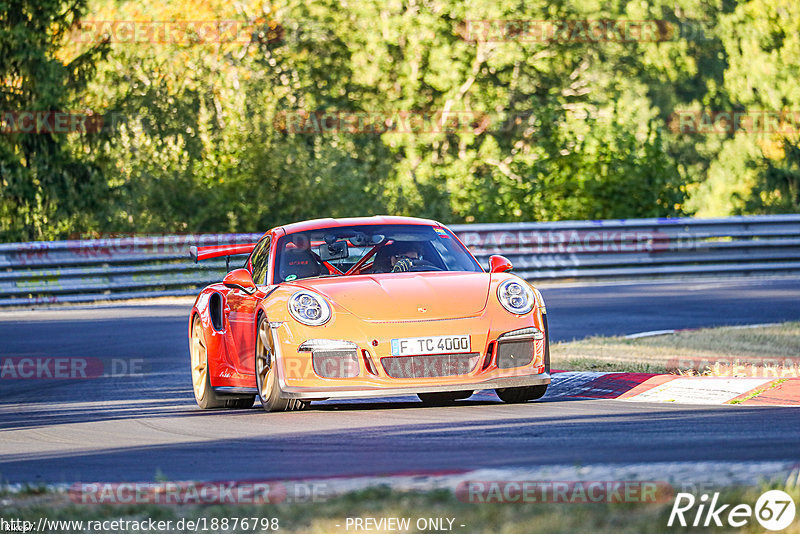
pixel 309 308
pixel 516 296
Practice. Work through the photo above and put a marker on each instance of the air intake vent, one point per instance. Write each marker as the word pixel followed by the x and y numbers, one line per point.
pixel 335 363
pixel 514 353
pixel 487 361
pixel 430 365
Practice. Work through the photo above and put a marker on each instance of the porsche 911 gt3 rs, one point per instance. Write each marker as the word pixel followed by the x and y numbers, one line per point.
pixel 364 307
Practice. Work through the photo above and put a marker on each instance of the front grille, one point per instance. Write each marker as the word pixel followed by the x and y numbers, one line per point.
pixel 335 363
pixel 514 353
pixel 430 365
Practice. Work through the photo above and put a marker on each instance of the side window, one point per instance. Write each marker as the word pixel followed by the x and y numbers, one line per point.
pixel 259 259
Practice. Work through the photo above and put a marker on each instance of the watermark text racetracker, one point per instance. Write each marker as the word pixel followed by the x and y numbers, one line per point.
pixel 730 122
pixel 581 31
pixel 111 245
pixel 248 492
pixel 576 241
pixel 61 122
pixel 414 121
pixel 751 367
pixel 184 32
pixel 163 32
pixel 563 492
pixel 70 368
pixel 48 122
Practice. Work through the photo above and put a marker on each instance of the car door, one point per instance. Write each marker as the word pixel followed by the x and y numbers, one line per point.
pixel 244 307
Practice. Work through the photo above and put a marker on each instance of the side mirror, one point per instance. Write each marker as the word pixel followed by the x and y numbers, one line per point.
pixel 240 279
pixel 499 264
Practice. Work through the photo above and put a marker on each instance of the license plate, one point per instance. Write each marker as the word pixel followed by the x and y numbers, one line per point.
pixel 412 346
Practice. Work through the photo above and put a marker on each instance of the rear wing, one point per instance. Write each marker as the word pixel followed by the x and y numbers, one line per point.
pixel 218 251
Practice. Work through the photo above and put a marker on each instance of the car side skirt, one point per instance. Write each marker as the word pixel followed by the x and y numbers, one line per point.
pixel 230 390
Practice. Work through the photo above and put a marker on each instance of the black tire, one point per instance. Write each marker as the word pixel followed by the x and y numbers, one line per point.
pixel 443 398
pixel 267 384
pixel 523 394
pixel 537 392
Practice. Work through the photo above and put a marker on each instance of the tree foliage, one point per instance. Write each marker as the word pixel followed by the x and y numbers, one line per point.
pixel 47 186
pixel 196 136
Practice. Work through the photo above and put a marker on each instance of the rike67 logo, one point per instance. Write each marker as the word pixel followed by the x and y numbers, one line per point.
pixel 774 510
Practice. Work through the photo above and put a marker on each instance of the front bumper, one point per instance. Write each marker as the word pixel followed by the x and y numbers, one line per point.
pixel 298 378
pixel 345 392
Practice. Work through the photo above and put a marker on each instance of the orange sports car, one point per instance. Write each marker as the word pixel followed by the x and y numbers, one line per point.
pixel 364 307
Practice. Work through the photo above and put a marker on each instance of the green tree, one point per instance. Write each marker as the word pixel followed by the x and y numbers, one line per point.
pixel 778 189
pixel 47 188
pixel 756 172
pixel 563 128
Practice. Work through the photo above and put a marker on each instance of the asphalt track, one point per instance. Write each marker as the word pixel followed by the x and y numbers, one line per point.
pixel 135 428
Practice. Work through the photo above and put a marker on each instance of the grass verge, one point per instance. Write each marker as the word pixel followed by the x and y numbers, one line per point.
pixel 695 351
pixel 331 515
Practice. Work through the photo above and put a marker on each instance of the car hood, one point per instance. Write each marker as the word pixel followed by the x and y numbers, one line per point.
pixel 406 296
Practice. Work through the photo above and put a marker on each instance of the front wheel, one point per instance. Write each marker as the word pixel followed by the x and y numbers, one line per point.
pixel 523 394
pixel 269 390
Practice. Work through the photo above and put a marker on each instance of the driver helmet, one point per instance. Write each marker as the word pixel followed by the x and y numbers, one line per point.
pixel 411 250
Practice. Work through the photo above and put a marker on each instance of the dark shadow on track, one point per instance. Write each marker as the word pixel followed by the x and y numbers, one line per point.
pixel 43 403
pixel 601 432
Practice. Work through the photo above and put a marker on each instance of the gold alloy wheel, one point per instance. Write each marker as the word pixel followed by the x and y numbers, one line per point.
pixel 269 390
pixel 265 377
pixel 199 357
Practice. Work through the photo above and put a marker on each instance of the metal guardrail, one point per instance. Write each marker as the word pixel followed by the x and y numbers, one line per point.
pixel 135 267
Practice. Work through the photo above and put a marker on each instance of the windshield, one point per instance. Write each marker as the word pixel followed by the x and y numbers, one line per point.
pixel 370 249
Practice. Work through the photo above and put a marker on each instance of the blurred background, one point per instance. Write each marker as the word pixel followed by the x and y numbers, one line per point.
pixel 234 116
